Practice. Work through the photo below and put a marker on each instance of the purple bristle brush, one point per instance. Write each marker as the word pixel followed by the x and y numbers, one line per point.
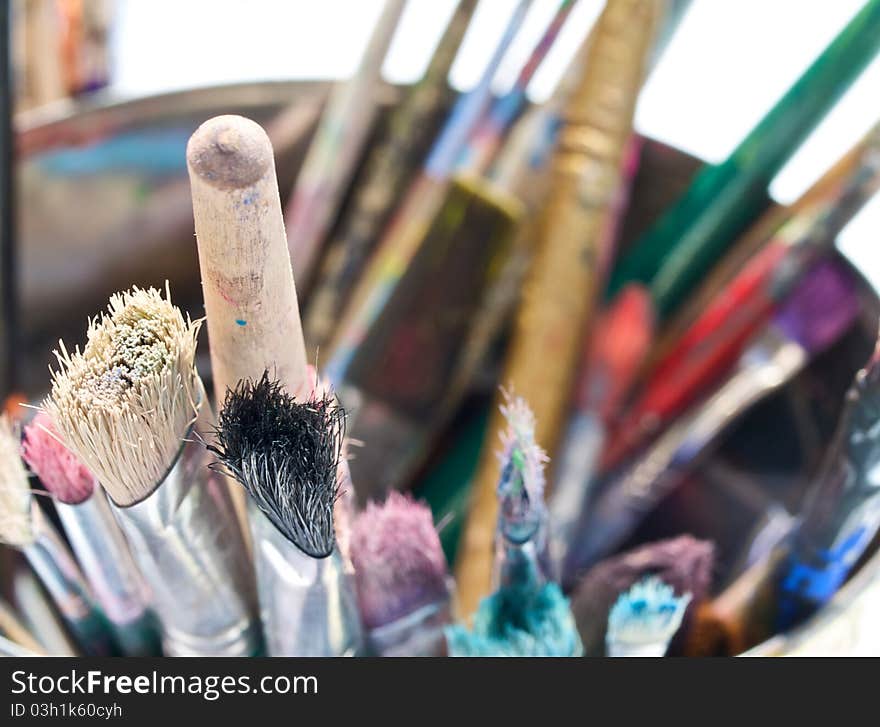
pixel 684 563
pixel 816 314
pixel 403 583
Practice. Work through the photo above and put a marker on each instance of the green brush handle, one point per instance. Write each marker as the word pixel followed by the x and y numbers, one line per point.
pixel 722 200
pixel 446 488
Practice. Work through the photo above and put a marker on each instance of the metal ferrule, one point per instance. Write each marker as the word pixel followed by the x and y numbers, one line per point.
pixel 419 633
pixel 56 568
pixel 575 480
pixel 520 564
pixel 307 605
pixel 186 540
pixel 103 554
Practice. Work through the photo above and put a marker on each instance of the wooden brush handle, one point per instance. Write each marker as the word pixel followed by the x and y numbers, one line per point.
pixel 250 297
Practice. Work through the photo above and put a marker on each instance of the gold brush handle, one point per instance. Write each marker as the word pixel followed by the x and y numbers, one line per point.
pixel 561 287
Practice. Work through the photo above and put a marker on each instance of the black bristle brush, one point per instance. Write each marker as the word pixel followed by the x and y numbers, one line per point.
pixel 287 454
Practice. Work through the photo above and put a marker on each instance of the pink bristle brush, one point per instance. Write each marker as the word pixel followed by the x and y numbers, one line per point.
pixel 403 582
pixel 94 536
pixel 684 563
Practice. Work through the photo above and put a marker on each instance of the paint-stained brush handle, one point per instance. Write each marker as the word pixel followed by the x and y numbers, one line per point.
pixel 250 297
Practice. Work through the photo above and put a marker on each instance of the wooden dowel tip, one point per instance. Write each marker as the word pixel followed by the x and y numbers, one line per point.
pixel 229 152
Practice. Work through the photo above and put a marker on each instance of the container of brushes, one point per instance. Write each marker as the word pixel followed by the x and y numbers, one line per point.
pixel 765 460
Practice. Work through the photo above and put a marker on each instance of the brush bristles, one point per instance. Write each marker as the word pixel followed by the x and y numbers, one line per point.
pixel 16 523
pixel 518 624
pixel 286 454
pixel 399 562
pixel 648 613
pixel 684 563
pixel 59 469
pixel 124 404
pixel 521 485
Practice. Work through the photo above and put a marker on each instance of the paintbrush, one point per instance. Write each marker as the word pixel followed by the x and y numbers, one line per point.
pixel 405 232
pixel 684 563
pixel 488 135
pixel 814 316
pixel 725 326
pixel 127 405
pixel 619 340
pixel 335 148
pixel 521 163
pixel 410 372
pixel 23 526
pixel 386 172
pixel 614 353
pixel 612 356
pixel 517 174
pixel 527 614
pixel 251 305
pixel 620 336
pixel 521 534
pixel 94 536
pixel 560 287
pixel 824 190
pixel 287 453
pixel 521 171
pixel 842 514
pixel 722 200
pixel 251 302
pixel 644 619
pixel 403 583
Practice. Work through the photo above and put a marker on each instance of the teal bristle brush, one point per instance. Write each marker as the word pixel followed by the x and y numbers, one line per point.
pixel 683 562
pixel 95 538
pixel 644 619
pixel 527 614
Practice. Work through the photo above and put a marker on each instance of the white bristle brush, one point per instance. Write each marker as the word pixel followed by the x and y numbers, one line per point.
pixel 128 405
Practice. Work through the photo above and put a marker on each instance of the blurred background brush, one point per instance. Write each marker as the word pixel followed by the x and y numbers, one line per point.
pixel 335 149
pixel 388 168
pixel 814 317
pixel 405 231
pixel 563 277
pixel 721 200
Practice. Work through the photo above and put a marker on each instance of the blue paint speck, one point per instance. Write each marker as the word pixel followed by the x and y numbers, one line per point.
pixel 240 322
